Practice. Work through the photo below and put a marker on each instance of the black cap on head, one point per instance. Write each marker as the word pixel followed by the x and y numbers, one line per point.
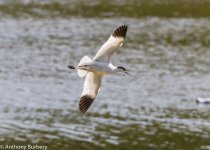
pixel 120 67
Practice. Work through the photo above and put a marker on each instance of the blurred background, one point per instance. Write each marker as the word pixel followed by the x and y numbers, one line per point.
pixel 166 49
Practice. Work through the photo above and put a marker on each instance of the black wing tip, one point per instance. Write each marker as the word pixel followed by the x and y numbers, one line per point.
pixel 85 103
pixel 120 31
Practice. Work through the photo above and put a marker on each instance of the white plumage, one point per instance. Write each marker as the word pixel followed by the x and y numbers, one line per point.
pixel 90 90
pixel 99 66
pixel 108 49
pixel 203 100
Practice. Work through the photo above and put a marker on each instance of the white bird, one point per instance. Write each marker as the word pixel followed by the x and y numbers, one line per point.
pixel 203 100
pixel 99 66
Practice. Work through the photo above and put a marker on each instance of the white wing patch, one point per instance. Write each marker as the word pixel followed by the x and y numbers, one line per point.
pixel 114 42
pixel 81 73
pixel 83 61
pixel 90 90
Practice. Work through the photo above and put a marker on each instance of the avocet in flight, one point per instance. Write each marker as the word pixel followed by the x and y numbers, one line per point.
pixel 94 69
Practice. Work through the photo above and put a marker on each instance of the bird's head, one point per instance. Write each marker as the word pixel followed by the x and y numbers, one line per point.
pixel 122 69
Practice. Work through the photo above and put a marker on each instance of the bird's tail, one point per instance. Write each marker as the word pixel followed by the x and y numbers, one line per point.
pixel 83 61
pixel 71 67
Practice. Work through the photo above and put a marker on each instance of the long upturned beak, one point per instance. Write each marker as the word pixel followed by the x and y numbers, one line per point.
pixel 128 73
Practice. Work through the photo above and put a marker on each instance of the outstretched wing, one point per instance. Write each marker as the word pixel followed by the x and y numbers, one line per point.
pixel 114 42
pixel 90 90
